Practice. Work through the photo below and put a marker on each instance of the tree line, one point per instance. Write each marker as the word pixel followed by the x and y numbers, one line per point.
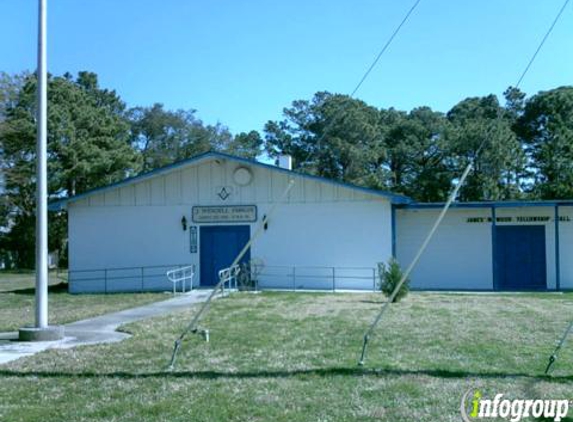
pixel 94 139
pixel 520 149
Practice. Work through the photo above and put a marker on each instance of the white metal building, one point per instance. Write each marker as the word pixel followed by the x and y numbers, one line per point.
pixel 202 211
pixel 514 245
pixel 326 235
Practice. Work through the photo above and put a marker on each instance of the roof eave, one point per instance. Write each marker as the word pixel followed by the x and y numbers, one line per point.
pixel 489 204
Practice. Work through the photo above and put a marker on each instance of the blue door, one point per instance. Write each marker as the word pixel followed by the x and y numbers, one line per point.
pixel 219 247
pixel 520 258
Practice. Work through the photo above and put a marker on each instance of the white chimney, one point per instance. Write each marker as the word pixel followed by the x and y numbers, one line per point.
pixel 285 162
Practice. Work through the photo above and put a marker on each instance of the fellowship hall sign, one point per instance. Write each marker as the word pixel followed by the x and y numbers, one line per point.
pixel 518 219
pixel 225 214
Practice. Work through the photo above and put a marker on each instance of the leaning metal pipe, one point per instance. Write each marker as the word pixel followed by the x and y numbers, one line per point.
pixel 555 353
pixel 413 263
pixel 192 327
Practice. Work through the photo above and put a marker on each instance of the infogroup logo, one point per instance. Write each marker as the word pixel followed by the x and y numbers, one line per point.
pixel 474 407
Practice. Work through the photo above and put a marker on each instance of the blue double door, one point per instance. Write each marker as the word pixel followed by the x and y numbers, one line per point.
pixel 219 246
pixel 520 258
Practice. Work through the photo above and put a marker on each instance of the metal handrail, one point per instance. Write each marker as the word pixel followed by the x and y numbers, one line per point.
pixel 126 268
pixel 107 275
pixel 181 275
pixel 228 276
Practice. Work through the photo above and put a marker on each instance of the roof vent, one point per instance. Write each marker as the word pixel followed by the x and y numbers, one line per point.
pixel 285 162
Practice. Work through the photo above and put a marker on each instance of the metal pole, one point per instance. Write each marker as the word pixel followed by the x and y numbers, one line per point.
pixel 41 176
pixel 494 248
pixel 557 251
pixel 555 354
pixel 333 279
pixel 294 279
pixel 192 327
pixel 417 257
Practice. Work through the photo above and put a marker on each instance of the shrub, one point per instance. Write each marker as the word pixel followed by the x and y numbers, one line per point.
pixel 246 281
pixel 389 276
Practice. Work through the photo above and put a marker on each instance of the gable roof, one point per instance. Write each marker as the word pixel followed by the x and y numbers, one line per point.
pixel 62 203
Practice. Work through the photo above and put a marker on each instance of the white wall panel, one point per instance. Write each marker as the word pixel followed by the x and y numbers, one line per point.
pixel 111 198
pixel 349 234
pixel 566 247
pixel 143 193
pixel 345 235
pixel 320 224
pixel 157 190
pixel 97 200
pixel 173 188
pixel 458 257
pixel 200 183
pixel 127 195
pixel 206 192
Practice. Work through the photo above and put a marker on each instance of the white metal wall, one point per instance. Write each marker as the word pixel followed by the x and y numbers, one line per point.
pixel 566 248
pixel 140 225
pixel 199 184
pixel 460 255
pixel 352 236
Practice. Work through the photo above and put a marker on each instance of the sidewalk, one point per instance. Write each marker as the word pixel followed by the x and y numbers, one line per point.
pixel 97 330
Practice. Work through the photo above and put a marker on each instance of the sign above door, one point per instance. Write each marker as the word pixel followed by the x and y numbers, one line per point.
pixel 225 214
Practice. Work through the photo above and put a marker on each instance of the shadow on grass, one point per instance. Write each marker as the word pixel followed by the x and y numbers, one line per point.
pixel 53 288
pixel 371 302
pixel 319 372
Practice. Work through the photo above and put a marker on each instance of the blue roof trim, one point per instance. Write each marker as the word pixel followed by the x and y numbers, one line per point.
pixel 62 203
pixel 488 204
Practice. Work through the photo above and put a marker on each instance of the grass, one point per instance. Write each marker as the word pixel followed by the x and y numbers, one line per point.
pixel 292 357
pixel 17 301
pixel 24 279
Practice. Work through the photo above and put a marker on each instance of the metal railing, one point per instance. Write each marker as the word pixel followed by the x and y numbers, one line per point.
pixel 260 277
pixel 229 277
pixel 183 276
pixel 123 279
pixel 296 277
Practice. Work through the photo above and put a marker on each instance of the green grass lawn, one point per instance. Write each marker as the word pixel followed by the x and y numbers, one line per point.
pixel 18 280
pixel 292 357
pixel 17 301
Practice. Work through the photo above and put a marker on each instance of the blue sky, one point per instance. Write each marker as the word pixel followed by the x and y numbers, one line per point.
pixel 241 62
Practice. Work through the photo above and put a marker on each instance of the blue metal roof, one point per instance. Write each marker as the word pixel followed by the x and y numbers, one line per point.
pixel 62 203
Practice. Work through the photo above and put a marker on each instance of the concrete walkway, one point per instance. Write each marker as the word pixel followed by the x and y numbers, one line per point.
pixel 97 330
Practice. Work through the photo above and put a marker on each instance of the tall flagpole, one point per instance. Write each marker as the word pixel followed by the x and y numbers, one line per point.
pixel 41 331
pixel 42 176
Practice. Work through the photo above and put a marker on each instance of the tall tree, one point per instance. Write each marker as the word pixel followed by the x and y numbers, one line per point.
pixel 416 153
pixel 481 133
pixel 247 145
pixel 332 135
pixel 10 85
pixel 164 136
pixel 88 146
pixel 514 102
pixel 546 129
